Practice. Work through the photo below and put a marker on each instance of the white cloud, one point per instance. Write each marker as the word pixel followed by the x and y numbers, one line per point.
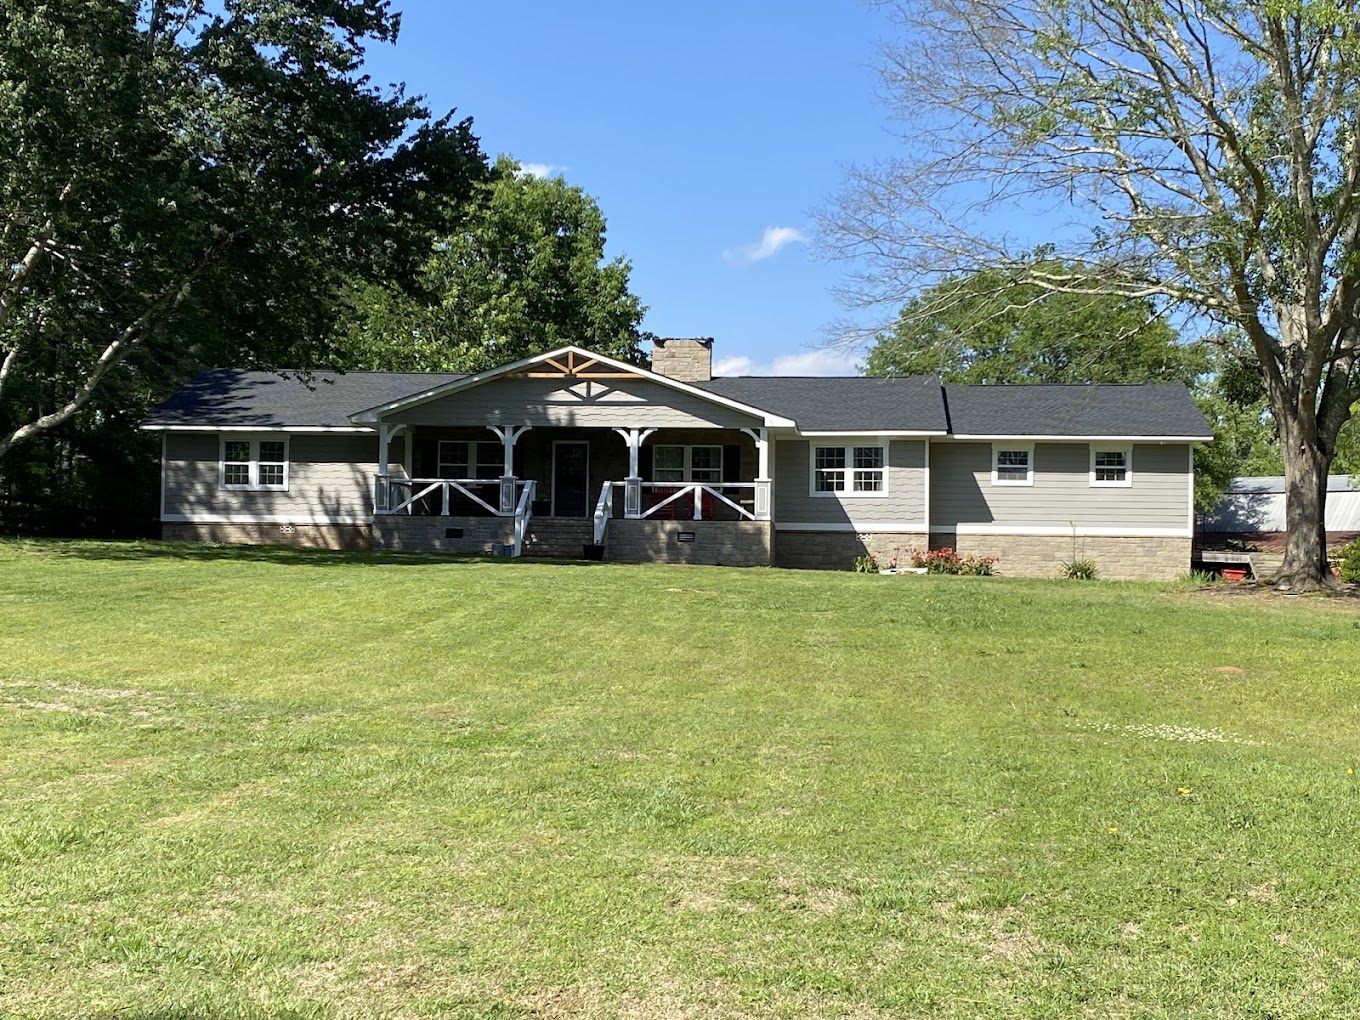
pixel 826 361
pixel 771 243
pixel 541 169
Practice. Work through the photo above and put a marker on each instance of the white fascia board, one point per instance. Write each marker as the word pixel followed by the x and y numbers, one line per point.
pixel 864 528
pixel 262 519
pixel 373 414
pixel 1093 439
pixel 1059 531
pixel 258 428
pixel 887 433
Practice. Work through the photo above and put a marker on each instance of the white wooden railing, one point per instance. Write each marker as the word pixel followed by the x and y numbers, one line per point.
pixel 397 494
pixel 524 513
pixel 604 509
pixel 756 508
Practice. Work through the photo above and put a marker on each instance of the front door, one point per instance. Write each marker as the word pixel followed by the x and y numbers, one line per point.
pixel 571 479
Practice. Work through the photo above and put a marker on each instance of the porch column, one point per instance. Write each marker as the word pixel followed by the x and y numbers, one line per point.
pixel 509 436
pixel 632 485
pixel 382 500
pixel 763 479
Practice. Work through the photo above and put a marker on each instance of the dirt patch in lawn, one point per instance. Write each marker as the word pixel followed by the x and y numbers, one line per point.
pixel 1346 593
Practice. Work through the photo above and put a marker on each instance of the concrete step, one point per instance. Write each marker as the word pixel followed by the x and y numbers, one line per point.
pixel 558 537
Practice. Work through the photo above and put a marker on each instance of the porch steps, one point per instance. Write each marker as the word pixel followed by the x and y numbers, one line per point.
pixel 558 537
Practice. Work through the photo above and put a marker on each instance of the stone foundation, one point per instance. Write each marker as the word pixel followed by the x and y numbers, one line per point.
pixel 1116 559
pixel 483 535
pixel 838 550
pixel 716 543
pixel 306 536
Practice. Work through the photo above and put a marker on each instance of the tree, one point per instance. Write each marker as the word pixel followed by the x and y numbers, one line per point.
pixel 524 273
pixel 983 328
pixel 1211 148
pixel 184 180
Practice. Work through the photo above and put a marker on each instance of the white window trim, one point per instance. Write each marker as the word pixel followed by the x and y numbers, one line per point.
pixel 470 449
pixel 998 448
pixel 254 440
pixel 689 449
pixel 848 444
pixel 1127 450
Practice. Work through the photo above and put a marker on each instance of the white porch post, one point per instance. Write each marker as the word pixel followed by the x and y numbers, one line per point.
pixel 763 478
pixel 509 436
pixel 632 485
pixel 382 500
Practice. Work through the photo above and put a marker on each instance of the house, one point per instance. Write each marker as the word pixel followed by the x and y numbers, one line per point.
pixel 572 449
pixel 1253 510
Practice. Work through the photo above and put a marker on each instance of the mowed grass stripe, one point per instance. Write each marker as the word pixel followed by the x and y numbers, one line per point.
pixel 271 783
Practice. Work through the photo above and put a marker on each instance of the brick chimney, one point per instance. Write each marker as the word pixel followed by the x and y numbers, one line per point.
pixel 683 360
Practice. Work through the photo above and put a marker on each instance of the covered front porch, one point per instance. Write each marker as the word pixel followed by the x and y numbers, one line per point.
pixel 501 488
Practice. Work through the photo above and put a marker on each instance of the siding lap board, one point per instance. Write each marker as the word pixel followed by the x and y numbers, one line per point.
pixel 961 489
pixel 329 476
pixel 794 504
pixel 615 403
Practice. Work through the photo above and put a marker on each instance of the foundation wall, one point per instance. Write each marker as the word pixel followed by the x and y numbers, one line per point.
pixel 716 543
pixel 306 536
pixel 485 535
pixel 1116 559
pixel 838 550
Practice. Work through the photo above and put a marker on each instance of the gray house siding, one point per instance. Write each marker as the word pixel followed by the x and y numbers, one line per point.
pixel 903 504
pixel 962 493
pixel 617 403
pixel 330 477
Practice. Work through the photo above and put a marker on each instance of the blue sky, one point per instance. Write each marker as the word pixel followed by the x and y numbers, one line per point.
pixel 708 132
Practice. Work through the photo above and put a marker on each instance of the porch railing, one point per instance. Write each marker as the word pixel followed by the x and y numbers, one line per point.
pixel 604 509
pixel 685 499
pixel 524 512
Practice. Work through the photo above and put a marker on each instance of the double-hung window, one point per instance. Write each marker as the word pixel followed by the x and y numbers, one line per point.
pixel 1012 464
pixel 1111 465
pixel 460 458
pixel 687 464
pixel 849 470
pixel 254 462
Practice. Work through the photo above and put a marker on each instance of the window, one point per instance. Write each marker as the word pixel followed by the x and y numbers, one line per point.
pixel 687 464
pixel 853 470
pixel 1111 465
pixel 254 463
pixel 463 459
pixel 1013 464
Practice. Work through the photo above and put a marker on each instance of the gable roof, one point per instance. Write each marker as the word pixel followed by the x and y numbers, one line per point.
pixel 844 404
pixel 377 411
pixel 237 399
pixel 1097 411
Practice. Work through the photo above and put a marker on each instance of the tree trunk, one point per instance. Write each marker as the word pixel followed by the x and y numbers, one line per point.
pixel 1305 500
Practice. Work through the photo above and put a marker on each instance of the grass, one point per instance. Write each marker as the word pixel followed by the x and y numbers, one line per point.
pixel 261 783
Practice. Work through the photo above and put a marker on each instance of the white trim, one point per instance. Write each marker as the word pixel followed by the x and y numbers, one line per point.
pixel 1126 449
pixel 1190 492
pixel 553 472
pixel 925 502
pixel 1014 447
pixel 893 433
pixel 163 444
pixel 261 519
pixel 1059 531
pixel 373 414
pixel 1092 439
pixel 253 441
pixel 848 444
pixel 861 528
pixel 258 428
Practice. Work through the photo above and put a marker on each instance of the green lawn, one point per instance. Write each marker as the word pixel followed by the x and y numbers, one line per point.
pixel 255 783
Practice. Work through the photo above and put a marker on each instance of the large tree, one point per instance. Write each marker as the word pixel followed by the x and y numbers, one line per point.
pixel 524 272
pixel 985 328
pixel 184 180
pixel 1201 151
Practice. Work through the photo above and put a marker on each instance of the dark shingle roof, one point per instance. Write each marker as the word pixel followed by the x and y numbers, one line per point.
pixel 1152 409
pixel 822 404
pixel 227 396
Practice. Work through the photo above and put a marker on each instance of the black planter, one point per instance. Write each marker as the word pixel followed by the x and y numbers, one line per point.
pixel 590 551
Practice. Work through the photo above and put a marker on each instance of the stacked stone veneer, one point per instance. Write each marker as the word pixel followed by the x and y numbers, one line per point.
pixel 1116 559
pixel 307 536
pixel 683 360
pixel 431 534
pixel 716 543
pixel 838 550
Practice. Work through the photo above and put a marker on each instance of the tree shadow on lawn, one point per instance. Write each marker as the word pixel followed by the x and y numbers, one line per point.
pixel 205 552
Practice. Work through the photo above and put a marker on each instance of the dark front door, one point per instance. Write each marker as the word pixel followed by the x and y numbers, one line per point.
pixel 571 479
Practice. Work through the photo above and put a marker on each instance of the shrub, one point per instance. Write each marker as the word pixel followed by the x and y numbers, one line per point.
pixel 1080 570
pixel 1348 561
pixel 947 561
pixel 866 564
